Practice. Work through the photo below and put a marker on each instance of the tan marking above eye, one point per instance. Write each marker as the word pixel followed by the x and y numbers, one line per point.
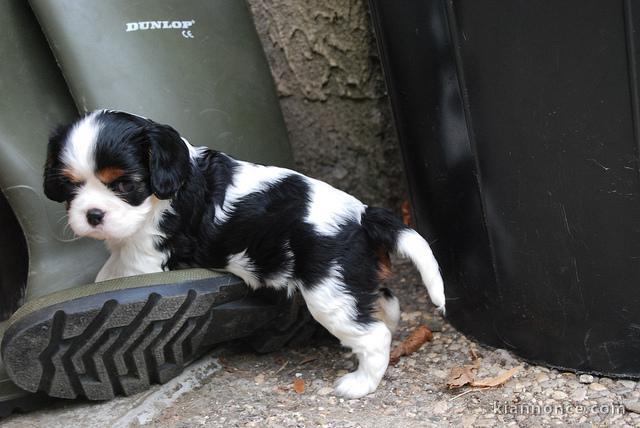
pixel 71 176
pixel 110 174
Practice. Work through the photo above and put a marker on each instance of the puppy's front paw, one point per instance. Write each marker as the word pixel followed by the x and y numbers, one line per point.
pixel 354 385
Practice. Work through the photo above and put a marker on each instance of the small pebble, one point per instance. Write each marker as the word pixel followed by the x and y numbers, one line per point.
pixel 439 408
pixel 559 395
pixel 325 391
pixel 606 381
pixel 586 378
pixel 518 387
pixel 468 421
pixel 597 387
pixel 628 383
pixel 632 406
pixel 542 377
pixel 579 394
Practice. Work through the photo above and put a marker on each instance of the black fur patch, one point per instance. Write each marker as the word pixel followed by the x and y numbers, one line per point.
pixel 168 160
pixel 382 226
pixel 57 186
pixel 122 143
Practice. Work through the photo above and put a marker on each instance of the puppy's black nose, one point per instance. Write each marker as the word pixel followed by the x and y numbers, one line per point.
pixel 95 216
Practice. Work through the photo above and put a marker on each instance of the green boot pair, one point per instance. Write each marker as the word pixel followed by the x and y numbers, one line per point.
pixel 71 337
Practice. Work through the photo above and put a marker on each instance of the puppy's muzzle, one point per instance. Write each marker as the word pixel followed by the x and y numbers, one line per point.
pixel 95 216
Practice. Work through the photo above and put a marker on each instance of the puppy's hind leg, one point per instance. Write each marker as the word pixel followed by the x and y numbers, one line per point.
pixel 372 348
pixel 388 310
pixel 335 309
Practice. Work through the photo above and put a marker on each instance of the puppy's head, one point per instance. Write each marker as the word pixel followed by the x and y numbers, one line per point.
pixel 110 168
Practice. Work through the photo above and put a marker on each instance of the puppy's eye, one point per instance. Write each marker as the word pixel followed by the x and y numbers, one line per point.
pixel 125 186
pixel 72 186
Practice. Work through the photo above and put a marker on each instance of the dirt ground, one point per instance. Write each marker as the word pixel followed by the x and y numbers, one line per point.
pixel 234 387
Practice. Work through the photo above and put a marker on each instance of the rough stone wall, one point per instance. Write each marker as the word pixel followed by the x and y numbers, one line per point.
pixel 325 63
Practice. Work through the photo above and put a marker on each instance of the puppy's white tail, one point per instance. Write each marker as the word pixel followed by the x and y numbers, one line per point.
pixel 410 244
pixel 384 228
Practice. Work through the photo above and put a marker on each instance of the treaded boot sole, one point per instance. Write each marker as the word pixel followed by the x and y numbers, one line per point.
pixel 118 342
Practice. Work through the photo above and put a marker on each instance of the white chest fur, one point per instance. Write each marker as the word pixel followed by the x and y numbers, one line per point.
pixel 138 253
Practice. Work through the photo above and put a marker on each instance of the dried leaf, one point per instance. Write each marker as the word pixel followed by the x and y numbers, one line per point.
pixel 406 214
pixel 461 376
pixel 466 375
pixel 298 386
pixel 411 344
pixel 498 380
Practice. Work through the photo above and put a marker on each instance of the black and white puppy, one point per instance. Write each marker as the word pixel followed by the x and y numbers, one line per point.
pixel 159 203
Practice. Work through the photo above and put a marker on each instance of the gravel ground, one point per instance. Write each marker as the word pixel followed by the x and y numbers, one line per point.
pixel 235 387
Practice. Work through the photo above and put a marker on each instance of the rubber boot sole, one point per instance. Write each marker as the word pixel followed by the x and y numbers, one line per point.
pixel 120 342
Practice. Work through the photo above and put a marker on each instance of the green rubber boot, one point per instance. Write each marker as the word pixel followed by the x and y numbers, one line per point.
pixel 196 65
pixel 34 99
pixel 72 337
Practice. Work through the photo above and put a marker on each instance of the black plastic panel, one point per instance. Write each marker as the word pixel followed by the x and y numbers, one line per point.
pixel 519 127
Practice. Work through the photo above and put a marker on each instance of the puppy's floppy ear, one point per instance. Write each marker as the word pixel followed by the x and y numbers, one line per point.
pixel 168 160
pixel 54 185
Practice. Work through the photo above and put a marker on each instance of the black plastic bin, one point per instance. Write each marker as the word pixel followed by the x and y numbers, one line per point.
pixel 519 124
